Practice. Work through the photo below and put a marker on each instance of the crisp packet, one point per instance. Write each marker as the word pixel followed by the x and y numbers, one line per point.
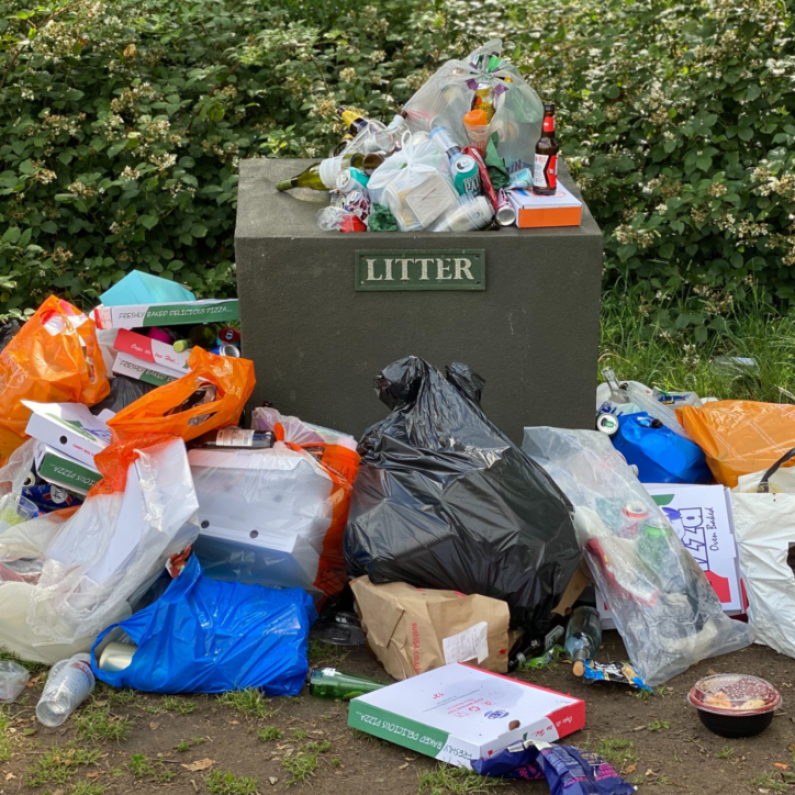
pixel 616 671
pixel 567 770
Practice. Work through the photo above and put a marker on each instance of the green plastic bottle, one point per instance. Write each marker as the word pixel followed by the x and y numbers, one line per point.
pixel 331 683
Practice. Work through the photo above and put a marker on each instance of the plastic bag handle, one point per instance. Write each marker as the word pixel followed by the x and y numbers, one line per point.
pixel 764 486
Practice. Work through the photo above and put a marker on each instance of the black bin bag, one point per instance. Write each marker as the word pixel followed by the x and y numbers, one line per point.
pixel 444 499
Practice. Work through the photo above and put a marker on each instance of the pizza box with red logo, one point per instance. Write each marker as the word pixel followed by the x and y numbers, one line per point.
pixel 155 352
pixel 458 713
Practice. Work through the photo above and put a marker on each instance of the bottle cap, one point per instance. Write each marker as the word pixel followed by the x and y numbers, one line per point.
pixel 476 118
pixel 607 423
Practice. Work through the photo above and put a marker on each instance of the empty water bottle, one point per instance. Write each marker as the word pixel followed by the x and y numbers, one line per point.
pixel 583 637
pixel 69 684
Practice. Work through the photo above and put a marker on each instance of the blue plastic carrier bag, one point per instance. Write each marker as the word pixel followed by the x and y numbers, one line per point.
pixel 660 455
pixel 206 636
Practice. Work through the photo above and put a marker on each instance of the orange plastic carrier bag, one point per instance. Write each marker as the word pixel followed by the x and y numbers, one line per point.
pixel 53 358
pixel 232 379
pixel 740 437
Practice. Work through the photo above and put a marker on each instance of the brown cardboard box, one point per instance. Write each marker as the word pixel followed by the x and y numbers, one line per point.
pixel 413 630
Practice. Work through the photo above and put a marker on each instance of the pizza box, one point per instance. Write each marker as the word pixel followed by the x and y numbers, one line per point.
pixel 458 713
pixel 61 470
pixel 181 313
pixel 69 428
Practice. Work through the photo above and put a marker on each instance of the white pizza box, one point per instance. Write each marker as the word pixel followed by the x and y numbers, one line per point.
pixel 69 428
pixel 458 713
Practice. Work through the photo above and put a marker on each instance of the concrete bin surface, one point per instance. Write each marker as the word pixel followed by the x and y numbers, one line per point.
pixel 530 329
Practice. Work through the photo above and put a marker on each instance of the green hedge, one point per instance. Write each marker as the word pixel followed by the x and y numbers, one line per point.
pixel 122 124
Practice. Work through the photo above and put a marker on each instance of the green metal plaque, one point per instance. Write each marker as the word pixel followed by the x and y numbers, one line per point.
pixel 446 269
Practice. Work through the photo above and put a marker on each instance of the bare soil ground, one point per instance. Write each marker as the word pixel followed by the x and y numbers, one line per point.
pixel 124 742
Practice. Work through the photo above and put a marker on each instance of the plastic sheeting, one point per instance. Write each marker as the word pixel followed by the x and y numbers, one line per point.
pixel 445 500
pixel 663 605
pixel 740 437
pixel 97 563
pixel 276 517
pixel 204 636
pixel 764 527
pixel 448 95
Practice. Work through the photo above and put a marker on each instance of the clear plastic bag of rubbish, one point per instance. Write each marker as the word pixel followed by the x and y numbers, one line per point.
pixel 664 607
pixel 117 543
pixel 23 547
pixel 17 472
pixel 452 90
pixel 414 183
pixel 276 517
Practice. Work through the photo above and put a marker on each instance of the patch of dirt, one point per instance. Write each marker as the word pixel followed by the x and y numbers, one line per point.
pixel 660 741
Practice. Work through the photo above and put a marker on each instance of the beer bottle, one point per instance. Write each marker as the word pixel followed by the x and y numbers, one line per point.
pixel 353 121
pixel 545 169
pixel 331 683
pixel 343 145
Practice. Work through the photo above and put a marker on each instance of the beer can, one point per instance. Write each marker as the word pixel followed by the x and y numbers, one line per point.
pixel 465 175
pixel 357 202
pixel 506 213
pixel 442 137
pixel 351 179
pixel 228 335
pixel 227 349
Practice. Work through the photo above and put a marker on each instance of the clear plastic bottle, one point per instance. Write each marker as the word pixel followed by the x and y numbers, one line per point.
pixel 583 637
pixel 69 684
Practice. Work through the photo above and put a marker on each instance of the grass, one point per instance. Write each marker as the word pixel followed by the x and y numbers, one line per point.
pixel 637 349
pixel 301 766
pixel 5 741
pixel 87 788
pixel 228 783
pixel 325 652
pixel 269 734
pixel 94 722
pixel 726 752
pixel 322 747
pixel 447 780
pixel 186 745
pixel 122 697
pixel 771 781
pixel 57 765
pixel 658 725
pixel 249 702
pixel 141 767
pixel 299 734
pixel 182 706
pixel 619 752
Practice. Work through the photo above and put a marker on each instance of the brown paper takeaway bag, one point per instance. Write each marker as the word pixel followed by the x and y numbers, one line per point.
pixel 413 630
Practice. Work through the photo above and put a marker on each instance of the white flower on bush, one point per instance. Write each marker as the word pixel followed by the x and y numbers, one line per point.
pixel 163 162
pixel 130 173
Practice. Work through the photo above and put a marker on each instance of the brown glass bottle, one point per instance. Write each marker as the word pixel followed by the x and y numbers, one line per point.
pixel 545 167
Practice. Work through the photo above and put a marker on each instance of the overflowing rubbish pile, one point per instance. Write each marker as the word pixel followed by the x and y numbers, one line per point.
pixel 474 148
pixel 137 496
pixel 155 534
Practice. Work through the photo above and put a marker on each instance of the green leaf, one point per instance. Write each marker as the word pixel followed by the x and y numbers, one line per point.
pixel 49 227
pixel 753 92
pixel 73 94
pixel 11 235
pixel 149 221
pixel 198 230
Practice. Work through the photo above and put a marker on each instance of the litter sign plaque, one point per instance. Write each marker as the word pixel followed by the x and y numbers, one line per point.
pixel 448 269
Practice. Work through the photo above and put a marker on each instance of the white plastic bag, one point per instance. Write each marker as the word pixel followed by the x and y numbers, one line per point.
pixel 108 553
pixel 414 183
pixel 449 93
pixel 275 517
pixel 764 527
pixel 663 605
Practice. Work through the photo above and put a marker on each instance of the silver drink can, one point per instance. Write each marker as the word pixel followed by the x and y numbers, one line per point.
pixel 506 213
pixel 116 657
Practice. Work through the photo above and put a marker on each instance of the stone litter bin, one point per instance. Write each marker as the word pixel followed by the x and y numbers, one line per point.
pixel 322 313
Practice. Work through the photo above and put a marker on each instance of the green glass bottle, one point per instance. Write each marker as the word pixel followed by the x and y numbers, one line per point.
pixel 353 121
pixel 331 683
pixel 316 177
